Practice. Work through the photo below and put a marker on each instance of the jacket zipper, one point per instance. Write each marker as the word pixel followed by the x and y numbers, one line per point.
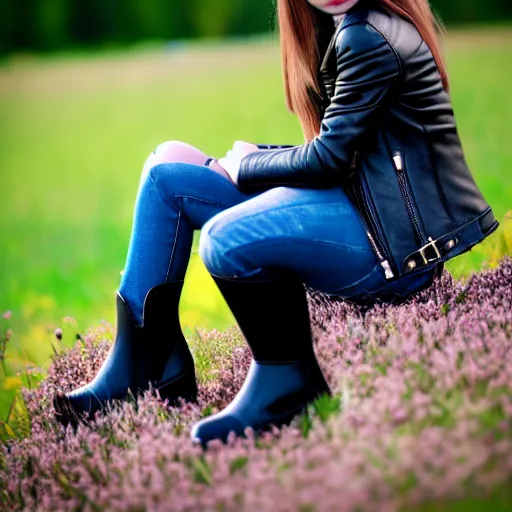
pixel 402 182
pixel 375 239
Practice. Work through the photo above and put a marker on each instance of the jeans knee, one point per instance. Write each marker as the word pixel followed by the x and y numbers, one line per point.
pixel 161 171
pixel 213 251
pixel 208 247
pixel 175 151
pixel 223 253
pixel 171 151
pixel 167 145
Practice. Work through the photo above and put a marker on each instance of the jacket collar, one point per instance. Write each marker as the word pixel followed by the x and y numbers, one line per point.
pixel 354 14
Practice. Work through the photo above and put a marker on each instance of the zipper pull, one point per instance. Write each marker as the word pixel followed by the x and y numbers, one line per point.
pixel 387 269
pixel 353 164
pixel 397 159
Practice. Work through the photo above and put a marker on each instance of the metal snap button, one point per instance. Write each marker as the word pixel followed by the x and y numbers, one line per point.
pixel 449 245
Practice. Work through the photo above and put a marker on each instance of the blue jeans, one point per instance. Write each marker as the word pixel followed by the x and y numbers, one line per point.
pixel 314 233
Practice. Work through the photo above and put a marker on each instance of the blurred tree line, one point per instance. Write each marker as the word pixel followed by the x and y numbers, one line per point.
pixel 47 25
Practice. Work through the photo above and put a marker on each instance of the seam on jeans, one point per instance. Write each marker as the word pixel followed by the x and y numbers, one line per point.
pixel 173 206
pixel 286 239
pixel 164 199
pixel 169 203
pixel 241 279
pixel 279 208
pixel 173 245
pixel 228 252
pixel 199 200
pixel 355 283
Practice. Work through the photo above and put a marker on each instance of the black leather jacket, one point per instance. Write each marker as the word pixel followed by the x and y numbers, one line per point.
pixel 389 138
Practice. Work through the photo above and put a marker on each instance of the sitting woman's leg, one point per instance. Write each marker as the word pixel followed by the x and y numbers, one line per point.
pixel 259 254
pixel 173 200
pixel 174 151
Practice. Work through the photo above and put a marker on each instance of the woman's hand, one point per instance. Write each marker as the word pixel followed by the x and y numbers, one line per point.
pixel 231 162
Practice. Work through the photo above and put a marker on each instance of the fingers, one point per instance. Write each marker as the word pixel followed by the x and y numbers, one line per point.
pixel 240 146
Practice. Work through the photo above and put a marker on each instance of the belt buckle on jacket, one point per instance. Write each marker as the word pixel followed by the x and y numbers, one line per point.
pixel 431 243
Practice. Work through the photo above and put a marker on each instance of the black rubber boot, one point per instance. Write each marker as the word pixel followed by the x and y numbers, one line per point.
pixel 284 376
pixel 154 353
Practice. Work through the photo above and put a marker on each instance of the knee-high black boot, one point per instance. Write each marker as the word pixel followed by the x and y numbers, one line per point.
pixel 155 352
pixel 284 375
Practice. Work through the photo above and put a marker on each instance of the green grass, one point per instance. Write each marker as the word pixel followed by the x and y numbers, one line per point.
pixel 75 132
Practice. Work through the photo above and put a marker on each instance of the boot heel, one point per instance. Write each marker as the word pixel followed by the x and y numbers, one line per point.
pixel 184 386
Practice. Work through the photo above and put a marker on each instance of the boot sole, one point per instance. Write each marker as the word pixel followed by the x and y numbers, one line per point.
pixel 183 387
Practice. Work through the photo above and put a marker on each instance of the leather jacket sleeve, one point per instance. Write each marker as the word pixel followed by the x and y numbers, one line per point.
pixel 367 68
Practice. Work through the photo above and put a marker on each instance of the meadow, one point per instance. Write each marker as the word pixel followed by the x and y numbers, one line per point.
pixel 421 413
pixel 76 130
pixel 420 420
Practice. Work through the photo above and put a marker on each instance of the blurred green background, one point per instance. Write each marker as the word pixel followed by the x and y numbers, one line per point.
pixel 48 25
pixel 88 89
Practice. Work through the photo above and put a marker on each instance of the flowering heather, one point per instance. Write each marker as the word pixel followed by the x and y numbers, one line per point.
pixel 421 416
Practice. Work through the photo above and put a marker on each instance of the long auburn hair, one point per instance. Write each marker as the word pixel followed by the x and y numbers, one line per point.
pixel 303 30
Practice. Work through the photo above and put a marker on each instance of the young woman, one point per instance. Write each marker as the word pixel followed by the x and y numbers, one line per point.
pixel 369 207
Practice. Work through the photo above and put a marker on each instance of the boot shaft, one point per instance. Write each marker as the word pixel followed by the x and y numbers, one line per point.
pixel 164 346
pixel 272 315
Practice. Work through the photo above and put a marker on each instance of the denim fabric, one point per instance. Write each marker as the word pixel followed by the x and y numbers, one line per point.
pixel 314 233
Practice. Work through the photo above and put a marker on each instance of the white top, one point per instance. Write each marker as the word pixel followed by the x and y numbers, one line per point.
pixel 338 18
